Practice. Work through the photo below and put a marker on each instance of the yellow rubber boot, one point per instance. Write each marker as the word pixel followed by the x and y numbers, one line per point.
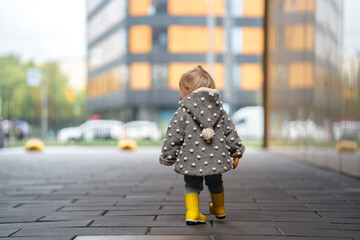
pixel 193 216
pixel 216 207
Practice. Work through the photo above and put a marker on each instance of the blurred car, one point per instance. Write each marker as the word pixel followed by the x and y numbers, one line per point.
pixel 93 129
pixel 104 129
pixel 142 130
pixel 249 122
pixel 69 134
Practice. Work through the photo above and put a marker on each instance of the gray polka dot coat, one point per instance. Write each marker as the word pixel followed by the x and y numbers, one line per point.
pixel 201 139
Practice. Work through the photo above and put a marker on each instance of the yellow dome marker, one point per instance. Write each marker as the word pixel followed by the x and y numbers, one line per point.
pixel 34 145
pixel 127 144
pixel 346 145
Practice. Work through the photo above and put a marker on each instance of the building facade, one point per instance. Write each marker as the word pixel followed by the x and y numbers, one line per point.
pixel 138 49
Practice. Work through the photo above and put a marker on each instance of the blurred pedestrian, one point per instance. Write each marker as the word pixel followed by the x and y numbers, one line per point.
pixel 201 142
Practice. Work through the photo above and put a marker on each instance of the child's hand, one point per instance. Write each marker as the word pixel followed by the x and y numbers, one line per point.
pixel 236 161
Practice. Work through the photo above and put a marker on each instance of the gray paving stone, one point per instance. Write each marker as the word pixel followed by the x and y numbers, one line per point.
pixel 131 194
pixel 7 232
pixel 167 237
pixel 81 231
pixel 203 229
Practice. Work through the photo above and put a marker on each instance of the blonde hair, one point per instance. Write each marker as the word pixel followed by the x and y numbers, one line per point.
pixel 197 78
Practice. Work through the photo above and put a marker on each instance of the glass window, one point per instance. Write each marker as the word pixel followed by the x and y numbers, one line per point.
pixel 252 40
pixel 251 76
pixel 160 76
pixel 159 38
pixel 237 8
pixel 194 8
pixel 139 7
pixel 236 41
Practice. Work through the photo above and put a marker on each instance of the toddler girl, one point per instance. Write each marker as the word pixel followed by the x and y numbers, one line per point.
pixel 201 141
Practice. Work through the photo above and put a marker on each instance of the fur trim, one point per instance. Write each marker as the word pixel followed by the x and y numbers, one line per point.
pixel 205 89
pixel 208 133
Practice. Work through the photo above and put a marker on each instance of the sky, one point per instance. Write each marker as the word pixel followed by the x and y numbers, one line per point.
pixel 43 30
pixel 51 30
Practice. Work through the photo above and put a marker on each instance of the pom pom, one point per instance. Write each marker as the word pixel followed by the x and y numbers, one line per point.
pixel 208 133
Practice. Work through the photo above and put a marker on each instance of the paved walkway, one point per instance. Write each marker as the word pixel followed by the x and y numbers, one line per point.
pixel 76 193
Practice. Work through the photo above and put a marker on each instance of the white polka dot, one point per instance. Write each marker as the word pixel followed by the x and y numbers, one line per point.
pixel 218 126
pixel 169 157
pixel 217 102
pixel 175 121
pixel 188 98
pixel 206 163
pixel 188 110
pixel 191 150
pixel 180 152
pixel 228 160
pixel 189 136
pixel 169 126
pixel 198 156
pixel 202 112
pixel 219 161
pixel 203 149
pixel 209 120
pixel 195 104
pixel 214 169
pixel 211 154
pixel 223 154
pixel 177 130
pixel 172 144
pixel 215 114
pixel 181 166
pixel 201 135
pixel 225 168
pixel 202 99
pixel 200 170
pixel 216 147
pixel 209 107
pixel 177 160
pixel 227 127
pixel 196 91
pixel 193 164
pixel 186 172
pixel 196 142
pixel 165 148
pixel 187 122
pixel 232 139
pixel 194 128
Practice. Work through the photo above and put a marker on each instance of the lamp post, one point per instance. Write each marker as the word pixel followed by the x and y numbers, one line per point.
pixel 34 78
pixel 210 23
pixel 228 56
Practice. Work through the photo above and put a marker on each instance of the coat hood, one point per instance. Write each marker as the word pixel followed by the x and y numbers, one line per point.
pixel 204 106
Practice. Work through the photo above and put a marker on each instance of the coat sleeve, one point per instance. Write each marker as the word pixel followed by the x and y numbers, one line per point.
pixel 174 139
pixel 233 141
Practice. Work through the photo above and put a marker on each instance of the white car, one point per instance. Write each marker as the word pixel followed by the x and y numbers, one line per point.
pixel 103 129
pixel 142 130
pixel 69 134
pixel 249 122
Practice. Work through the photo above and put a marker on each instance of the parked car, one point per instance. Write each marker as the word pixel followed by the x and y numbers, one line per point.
pixel 249 122
pixel 93 129
pixel 142 130
pixel 69 134
pixel 104 129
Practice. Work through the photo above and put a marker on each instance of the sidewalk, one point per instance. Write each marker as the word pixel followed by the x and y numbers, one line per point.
pixel 78 192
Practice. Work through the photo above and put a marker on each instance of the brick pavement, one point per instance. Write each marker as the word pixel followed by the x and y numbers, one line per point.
pixel 100 193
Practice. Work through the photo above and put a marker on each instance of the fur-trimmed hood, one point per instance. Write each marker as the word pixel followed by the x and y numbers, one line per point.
pixel 205 106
